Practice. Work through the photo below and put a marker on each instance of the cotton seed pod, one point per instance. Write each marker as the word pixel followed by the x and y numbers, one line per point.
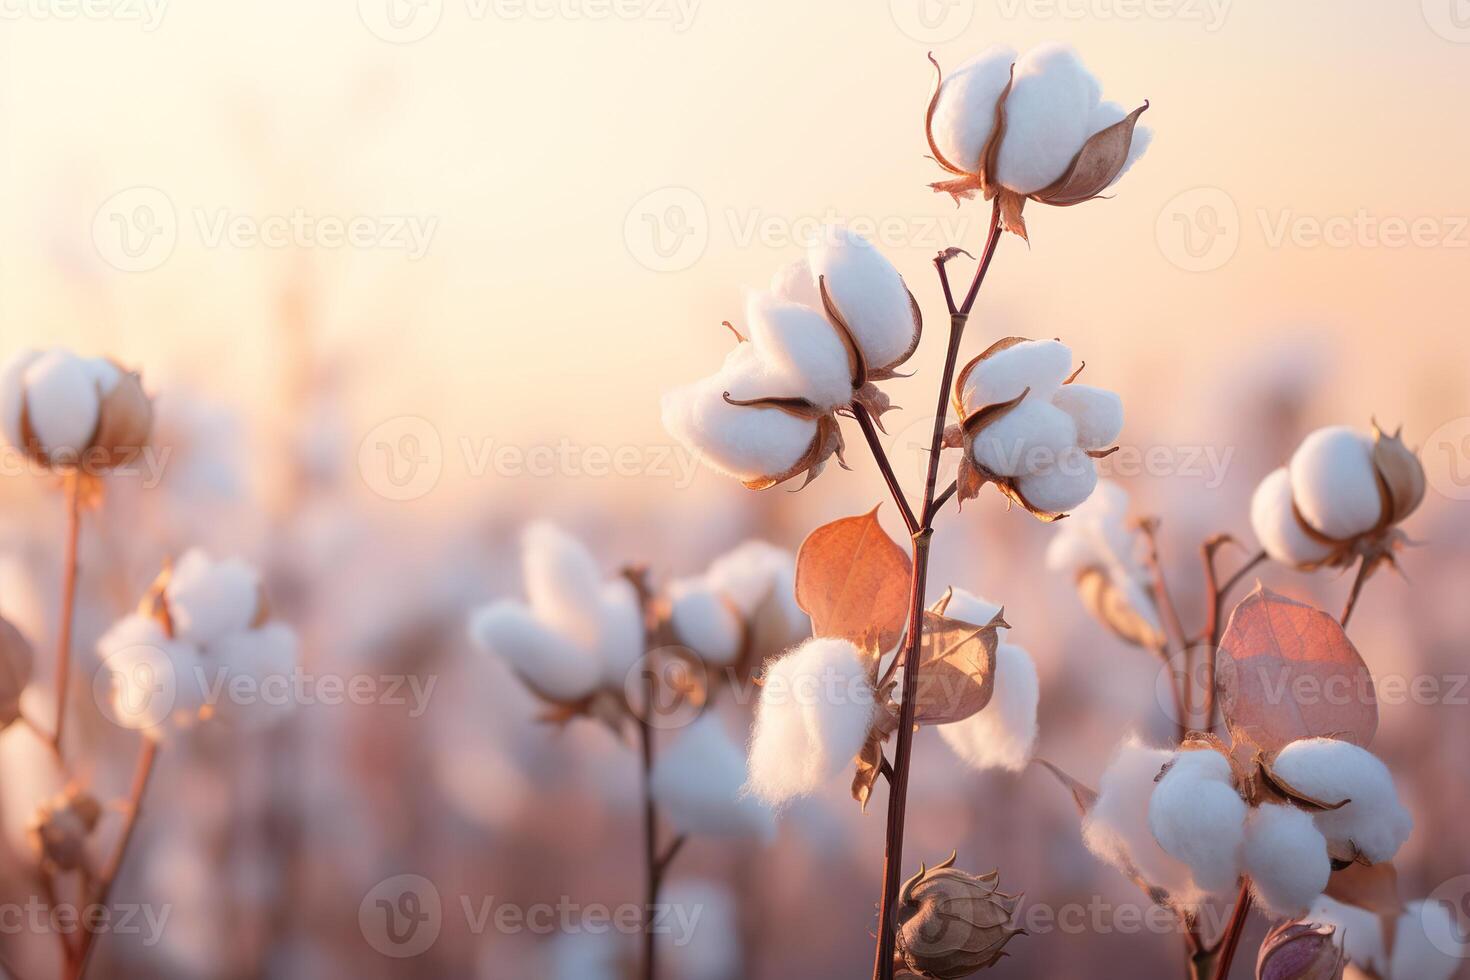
pixel 1300 951
pixel 952 924
pixel 16 660
pixel 65 411
pixel 59 829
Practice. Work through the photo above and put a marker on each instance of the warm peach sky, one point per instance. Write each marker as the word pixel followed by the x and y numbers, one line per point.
pixel 530 139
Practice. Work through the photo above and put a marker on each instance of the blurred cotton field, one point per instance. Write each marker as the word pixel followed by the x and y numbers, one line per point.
pixel 349 327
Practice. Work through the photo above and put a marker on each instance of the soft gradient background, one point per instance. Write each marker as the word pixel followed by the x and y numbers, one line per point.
pixel 601 184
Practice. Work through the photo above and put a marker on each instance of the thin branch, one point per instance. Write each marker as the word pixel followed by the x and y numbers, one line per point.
pixel 870 432
pixel 943 499
pixel 1231 940
pixel 1218 596
pixel 1365 568
pixel 68 602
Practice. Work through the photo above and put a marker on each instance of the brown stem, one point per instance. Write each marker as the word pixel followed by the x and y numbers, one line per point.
pixel 870 432
pixel 1215 615
pixel 68 602
pixel 943 498
pixel 1365 568
pixel 141 775
pixel 1231 941
pixel 650 841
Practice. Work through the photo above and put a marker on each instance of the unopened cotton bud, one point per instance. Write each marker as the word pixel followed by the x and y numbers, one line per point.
pixel 59 830
pixel 1198 817
pixel 16 660
pixel 1286 857
pixel 697 780
pixel 706 621
pixel 1274 520
pixel 951 923
pixel 1334 483
pixel 551 665
pixel 1373 822
pixel 1299 951
pixel 1003 735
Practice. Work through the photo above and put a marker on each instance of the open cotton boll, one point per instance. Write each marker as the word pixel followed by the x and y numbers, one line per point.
pixel 209 599
pixel 1357 931
pixel 1041 365
pixel 815 711
pixel 1334 482
pixel 747 574
pixel 964 113
pixel 1097 412
pixel 1428 943
pixel 267 656
pixel 155 680
pixel 621 639
pixel 1276 526
pixel 868 292
pixel 697 780
pixel 1110 113
pixel 1197 816
pixel 1117 827
pixel 562 582
pixel 704 621
pixel 794 283
pixel 1048 112
pixel 13 394
pixel 1003 734
pixel 1286 857
pixel 62 402
pixel 967 607
pixel 1065 486
pixel 1331 770
pixel 1028 439
pixel 801 341
pixel 549 663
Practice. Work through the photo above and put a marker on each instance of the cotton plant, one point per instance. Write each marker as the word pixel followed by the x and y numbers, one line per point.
pixel 1396 940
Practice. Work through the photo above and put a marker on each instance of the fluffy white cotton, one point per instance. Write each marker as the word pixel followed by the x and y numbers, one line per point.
pixel 1198 817
pixel 1096 535
pixel 1334 482
pixel 869 293
pixel 967 607
pixel 267 657
pixel 13 394
pixel 1117 827
pixel 805 345
pixel 548 662
pixel 794 283
pixel 745 442
pixel 1276 526
pixel 747 574
pixel 154 680
pixel 705 621
pixel 1064 487
pixel 1048 114
pixel 562 582
pixel 1357 931
pixel 1330 770
pixel 1003 734
pixel 697 780
pixel 815 710
pixel 586 955
pixel 1028 439
pixel 1041 365
pixel 62 401
pixel 711 949
pixel 208 599
pixel 1107 114
pixel 1428 944
pixel 1286 857
pixel 1097 412
pixel 964 113
pixel 620 638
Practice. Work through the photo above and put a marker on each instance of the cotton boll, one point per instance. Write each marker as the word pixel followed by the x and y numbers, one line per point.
pixel 562 582
pixel 704 620
pixel 964 113
pixel 13 394
pixel 1197 816
pixel 1334 483
pixel 1097 412
pixel 805 345
pixel 1332 770
pixel 551 665
pixel 869 294
pixel 1028 439
pixel 747 574
pixel 1047 117
pixel 267 656
pixel 153 683
pixel 1064 487
pixel 1117 827
pixel 620 644
pixel 1041 365
pixel 1358 931
pixel 1286 857
pixel 795 283
pixel 1428 943
pixel 1110 113
pixel 815 711
pixel 62 403
pixel 103 373
pixel 967 607
pixel 1276 526
pixel 208 599
pixel 697 781
pixel 1003 734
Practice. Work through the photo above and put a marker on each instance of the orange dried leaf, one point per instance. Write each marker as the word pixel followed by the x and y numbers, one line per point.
pixel 956 669
pixel 1082 794
pixel 853 581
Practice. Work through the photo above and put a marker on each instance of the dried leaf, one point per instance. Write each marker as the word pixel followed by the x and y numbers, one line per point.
pixel 869 766
pixel 1082 794
pixel 853 581
pixel 1109 606
pixel 1096 165
pixel 1401 472
pixel 1011 206
pixel 1288 671
pixel 956 669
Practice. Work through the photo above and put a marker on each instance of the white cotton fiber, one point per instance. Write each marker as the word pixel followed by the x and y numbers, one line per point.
pixel 807 347
pixel 154 678
pixel 266 656
pixel 1331 770
pixel 1096 535
pixel 549 663
pixel 1097 412
pixel 1276 526
pixel 1334 482
pixel 209 599
pixel 1041 365
pixel 967 607
pixel 705 621
pixel 63 403
pixel 964 113
pixel 868 292
pixel 562 582
pixel 13 394
pixel 815 711
pixel 1198 817
pixel 1028 439
pixel 1003 734
pixel 697 781
pixel 1429 943
pixel 747 574
pixel 1067 486
pixel 794 283
pixel 1107 114
pixel 1117 827
pixel 103 373
pixel 620 644
pixel 1286 857
pixel 1357 931
pixel 1047 116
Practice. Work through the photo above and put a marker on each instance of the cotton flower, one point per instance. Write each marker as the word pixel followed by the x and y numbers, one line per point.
pixel 1097 546
pixel 66 411
pixel 832 324
pixel 1286 857
pixel 1373 822
pixel 1116 829
pixel 579 633
pixel 1027 427
pixel 1341 497
pixel 697 781
pixel 1003 734
pixel 1029 128
pixel 1197 816
pixel 816 709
